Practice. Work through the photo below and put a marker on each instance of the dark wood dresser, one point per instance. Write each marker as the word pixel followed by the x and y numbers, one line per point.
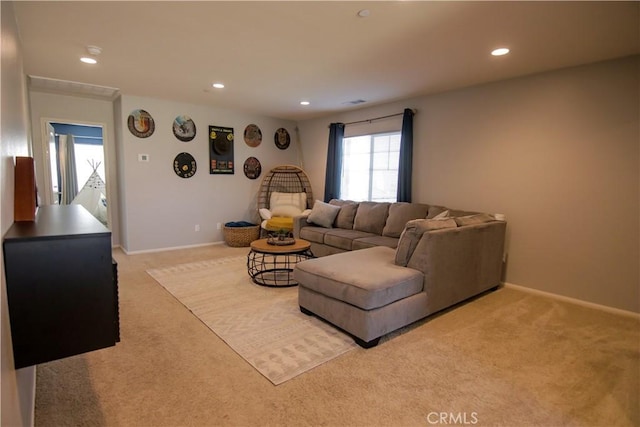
pixel 62 288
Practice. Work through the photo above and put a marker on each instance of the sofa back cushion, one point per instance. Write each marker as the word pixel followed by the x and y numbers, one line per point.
pixel 287 204
pixel 435 210
pixel 412 234
pixel 454 213
pixel 399 214
pixel 371 217
pixel 439 211
pixel 347 213
pixel 474 219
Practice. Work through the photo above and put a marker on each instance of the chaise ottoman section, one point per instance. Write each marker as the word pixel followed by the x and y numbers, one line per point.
pixel 362 292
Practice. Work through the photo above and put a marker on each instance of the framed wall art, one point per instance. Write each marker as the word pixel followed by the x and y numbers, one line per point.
pixel 252 135
pixel 282 139
pixel 184 165
pixel 221 150
pixel 184 128
pixel 141 124
pixel 252 168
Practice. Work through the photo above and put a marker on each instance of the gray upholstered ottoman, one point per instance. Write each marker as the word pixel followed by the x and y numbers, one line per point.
pixel 362 292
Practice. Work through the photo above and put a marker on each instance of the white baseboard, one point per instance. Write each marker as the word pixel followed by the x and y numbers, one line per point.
pixel 576 301
pixel 173 248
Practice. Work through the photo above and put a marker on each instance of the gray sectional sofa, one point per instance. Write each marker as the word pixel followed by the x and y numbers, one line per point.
pixel 382 266
pixel 360 225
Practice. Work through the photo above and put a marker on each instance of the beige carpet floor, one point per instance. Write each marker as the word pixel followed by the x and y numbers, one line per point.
pixel 508 358
pixel 262 324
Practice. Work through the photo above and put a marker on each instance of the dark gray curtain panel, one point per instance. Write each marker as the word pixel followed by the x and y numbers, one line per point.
pixel 406 154
pixel 334 162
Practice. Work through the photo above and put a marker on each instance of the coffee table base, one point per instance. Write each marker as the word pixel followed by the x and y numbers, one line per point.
pixel 274 270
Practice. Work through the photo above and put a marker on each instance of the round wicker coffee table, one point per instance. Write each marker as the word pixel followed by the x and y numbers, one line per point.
pixel 272 265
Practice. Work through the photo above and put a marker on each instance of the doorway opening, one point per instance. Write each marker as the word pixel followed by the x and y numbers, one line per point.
pixel 76 165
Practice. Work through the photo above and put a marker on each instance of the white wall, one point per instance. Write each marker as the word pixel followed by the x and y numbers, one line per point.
pixel 17 393
pixel 76 109
pixel 160 209
pixel 557 152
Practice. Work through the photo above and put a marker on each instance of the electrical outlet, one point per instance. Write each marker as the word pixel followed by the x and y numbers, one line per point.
pixel 219 226
pixel 197 227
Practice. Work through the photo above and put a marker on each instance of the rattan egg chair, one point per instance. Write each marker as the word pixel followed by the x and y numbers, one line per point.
pixel 283 179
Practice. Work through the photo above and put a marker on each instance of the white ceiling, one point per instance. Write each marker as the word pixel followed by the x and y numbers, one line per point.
pixel 272 55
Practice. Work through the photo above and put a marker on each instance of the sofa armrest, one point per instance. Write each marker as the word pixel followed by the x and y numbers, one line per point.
pixel 459 263
pixel 299 221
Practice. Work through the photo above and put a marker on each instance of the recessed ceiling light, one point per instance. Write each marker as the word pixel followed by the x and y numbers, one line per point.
pixel 364 13
pixel 88 60
pixel 218 85
pixel 500 51
pixel 304 103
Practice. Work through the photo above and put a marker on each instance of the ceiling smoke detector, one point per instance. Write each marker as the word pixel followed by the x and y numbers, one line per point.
pixel 355 102
pixel 94 50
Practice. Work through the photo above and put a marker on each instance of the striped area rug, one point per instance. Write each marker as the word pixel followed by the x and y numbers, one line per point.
pixel 263 325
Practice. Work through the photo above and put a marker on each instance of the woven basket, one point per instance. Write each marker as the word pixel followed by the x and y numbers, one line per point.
pixel 241 236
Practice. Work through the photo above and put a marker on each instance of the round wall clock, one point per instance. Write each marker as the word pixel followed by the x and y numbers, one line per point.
pixel 252 168
pixel 141 124
pixel 184 128
pixel 184 165
pixel 282 139
pixel 252 135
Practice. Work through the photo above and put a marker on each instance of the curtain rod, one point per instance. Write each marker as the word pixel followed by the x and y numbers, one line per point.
pixel 377 118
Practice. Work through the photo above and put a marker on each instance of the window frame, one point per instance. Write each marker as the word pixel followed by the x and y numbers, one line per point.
pixel 371 170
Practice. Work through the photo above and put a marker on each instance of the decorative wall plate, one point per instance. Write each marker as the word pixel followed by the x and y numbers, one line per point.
pixel 252 168
pixel 252 135
pixel 184 165
pixel 184 128
pixel 141 124
pixel 282 139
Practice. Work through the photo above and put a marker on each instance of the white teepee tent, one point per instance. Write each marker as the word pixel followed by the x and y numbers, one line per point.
pixel 92 196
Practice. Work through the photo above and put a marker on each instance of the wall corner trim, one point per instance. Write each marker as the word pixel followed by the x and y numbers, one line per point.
pixel 612 310
pixel 173 248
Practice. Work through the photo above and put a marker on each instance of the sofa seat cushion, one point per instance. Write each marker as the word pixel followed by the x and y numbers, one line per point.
pixel 367 279
pixel 343 239
pixel 313 233
pixel 369 242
